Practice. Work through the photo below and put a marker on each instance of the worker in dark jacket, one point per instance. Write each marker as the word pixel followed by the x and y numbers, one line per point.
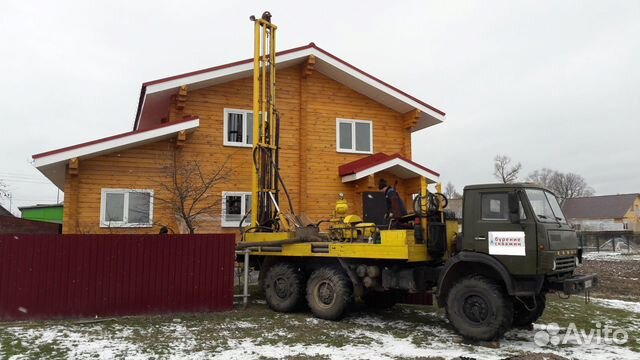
pixel 395 205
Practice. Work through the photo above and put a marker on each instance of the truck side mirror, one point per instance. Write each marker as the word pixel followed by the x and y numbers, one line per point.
pixel 514 208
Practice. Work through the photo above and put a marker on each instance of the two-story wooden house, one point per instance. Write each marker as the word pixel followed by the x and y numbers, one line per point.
pixel 342 129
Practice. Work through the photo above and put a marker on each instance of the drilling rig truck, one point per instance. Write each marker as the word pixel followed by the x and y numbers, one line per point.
pixel 515 245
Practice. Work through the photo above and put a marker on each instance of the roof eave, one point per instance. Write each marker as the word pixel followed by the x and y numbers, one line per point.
pixel 52 164
pixel 429 115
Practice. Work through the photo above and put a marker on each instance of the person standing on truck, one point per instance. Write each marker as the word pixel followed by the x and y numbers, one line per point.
pixel 395 205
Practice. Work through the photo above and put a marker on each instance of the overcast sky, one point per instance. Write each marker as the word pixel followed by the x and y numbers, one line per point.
pixel 550 83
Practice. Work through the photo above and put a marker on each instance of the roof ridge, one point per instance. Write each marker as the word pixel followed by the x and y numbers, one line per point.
pixel 609 195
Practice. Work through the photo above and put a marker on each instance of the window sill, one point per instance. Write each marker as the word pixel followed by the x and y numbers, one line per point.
pixel 240 145
pixel 232 224
pixel 124 226
pixel 354 152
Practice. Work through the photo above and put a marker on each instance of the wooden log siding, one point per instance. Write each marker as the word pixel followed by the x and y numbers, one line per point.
pixel 309 161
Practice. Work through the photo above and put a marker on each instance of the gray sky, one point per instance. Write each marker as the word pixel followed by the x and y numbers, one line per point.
pixel 550 83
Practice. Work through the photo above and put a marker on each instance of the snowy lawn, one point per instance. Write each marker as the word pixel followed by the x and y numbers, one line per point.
pixel 257 333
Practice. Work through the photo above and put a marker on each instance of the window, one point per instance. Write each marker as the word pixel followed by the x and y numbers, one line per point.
pixel 495 206
pixel 545 206
pixel 126 208
pixel 238 128
pixel 234 207
pixel 354 136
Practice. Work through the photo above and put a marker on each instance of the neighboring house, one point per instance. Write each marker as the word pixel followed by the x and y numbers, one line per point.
pixel 455 206
pixel 52 213
pixel 5 212
pixel 604 213
pixel 341 131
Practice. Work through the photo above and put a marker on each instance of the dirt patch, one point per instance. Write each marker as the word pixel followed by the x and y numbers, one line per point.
pixel 618 279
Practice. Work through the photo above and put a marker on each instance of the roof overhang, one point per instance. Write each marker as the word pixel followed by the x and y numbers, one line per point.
pixel 53 163
pixel 395 164
pixel 155 95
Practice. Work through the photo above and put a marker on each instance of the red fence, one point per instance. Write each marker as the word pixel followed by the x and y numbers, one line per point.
pixel 54 276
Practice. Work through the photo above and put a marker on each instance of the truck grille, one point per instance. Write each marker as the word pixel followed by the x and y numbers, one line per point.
pixel 566 263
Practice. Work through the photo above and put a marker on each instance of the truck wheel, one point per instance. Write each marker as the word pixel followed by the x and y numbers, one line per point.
pixel 523 317
pixel 479 309
pixel 329 293
pixel 284 287
pixel 381 300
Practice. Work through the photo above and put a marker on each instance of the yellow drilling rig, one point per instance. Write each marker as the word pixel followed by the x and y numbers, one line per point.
pixel 514 248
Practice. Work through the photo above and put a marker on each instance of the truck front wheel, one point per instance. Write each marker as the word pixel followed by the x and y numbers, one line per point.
pixel 526 314
pixel 329 293
pixel 284 287
pixel 479 308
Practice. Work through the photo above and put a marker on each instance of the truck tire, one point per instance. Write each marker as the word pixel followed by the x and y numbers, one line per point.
pixel 523 317
pixel 329 293
pixel 284 287
pixel 479 308
pixel 381 300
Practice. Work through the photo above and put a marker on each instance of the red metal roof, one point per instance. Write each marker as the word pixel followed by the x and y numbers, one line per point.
pixel 279 53
pixel 129 133
pixel 373 160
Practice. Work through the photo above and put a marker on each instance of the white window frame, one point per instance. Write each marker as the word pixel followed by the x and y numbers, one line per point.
pixel 225 137
pixel 124 223
pixel 226 223
pixel 353 123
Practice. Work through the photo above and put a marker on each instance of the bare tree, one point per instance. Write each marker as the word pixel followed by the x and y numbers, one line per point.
pixel 570 185
pixel 186 189
pixel 450 191
pixel 543 177
pixel 564 185
pixel 504 171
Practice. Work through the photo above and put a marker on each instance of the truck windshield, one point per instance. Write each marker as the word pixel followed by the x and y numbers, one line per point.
pixel 545 206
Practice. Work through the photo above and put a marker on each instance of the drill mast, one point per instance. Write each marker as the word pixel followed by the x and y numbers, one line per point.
pixel 266 126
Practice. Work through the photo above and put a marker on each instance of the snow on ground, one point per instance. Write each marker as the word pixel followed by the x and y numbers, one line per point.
pixel 382 346
pixel 630 306
pixel 405 332
pixel 611 256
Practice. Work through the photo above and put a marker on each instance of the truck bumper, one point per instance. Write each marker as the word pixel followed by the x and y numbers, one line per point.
pixel 576 284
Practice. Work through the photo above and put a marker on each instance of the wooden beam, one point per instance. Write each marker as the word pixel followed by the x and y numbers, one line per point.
pixel 410 119
pixel 307 68
pixel 182 137
pixel 74 166
pixel 181 99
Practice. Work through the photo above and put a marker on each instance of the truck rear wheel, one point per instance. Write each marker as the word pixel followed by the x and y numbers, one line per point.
pixel 479 308
pixel 329 293
pixel 523 316
pixel 284 287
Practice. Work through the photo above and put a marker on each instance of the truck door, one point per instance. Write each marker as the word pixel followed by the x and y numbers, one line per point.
pixel 493 233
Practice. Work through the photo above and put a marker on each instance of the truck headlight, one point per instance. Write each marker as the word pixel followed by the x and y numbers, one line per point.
pixel 577 261
pixel 553 268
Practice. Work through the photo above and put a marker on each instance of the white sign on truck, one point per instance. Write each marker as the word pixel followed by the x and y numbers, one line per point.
pixel 507 243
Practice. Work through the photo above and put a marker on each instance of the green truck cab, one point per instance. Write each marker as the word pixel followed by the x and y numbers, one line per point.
pixel 515 247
